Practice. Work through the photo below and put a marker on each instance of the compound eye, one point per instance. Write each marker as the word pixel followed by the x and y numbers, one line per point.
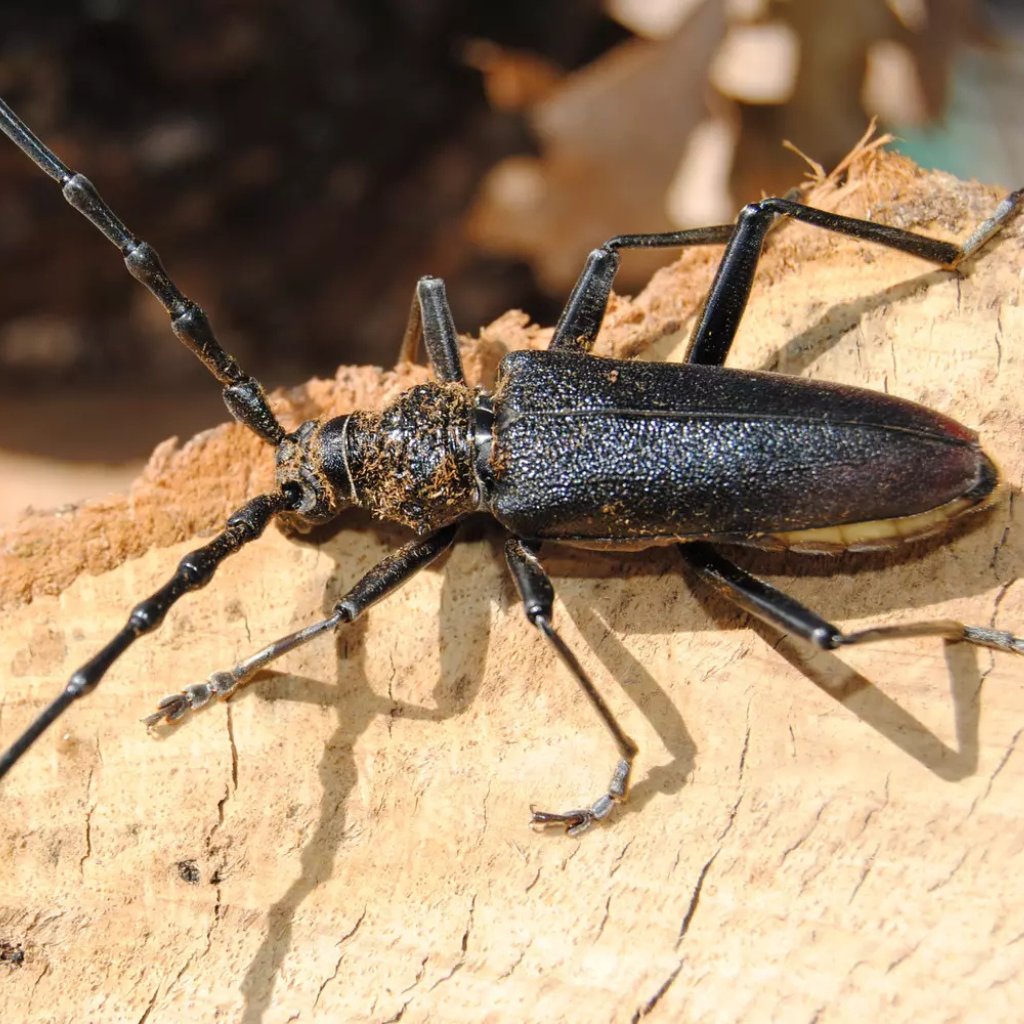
pixel 307 497
pixel 307 492
pixel 293 491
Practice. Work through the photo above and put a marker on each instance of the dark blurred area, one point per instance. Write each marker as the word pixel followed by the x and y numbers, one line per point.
pixel 299 165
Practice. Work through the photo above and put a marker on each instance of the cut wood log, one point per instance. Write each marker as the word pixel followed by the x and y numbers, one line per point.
pixel 810 836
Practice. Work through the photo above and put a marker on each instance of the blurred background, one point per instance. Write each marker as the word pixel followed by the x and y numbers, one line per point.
pixel 299 165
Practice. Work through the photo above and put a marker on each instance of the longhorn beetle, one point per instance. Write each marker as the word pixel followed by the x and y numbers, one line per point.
pixel 579 450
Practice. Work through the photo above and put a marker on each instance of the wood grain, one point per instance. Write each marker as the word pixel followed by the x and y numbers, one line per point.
pixel 810 837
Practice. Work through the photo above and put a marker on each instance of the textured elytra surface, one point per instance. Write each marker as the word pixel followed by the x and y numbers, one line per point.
pixel 694 452
pixel 809 835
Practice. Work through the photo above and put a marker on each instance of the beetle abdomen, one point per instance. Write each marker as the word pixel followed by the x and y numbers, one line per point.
pixel 594 451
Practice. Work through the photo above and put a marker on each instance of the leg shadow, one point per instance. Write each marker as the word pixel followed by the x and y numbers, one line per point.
pixel 356 706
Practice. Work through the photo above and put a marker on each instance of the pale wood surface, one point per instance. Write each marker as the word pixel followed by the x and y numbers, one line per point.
pixel 810 837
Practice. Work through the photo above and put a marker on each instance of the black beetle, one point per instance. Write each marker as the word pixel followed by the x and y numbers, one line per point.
pixel 590 452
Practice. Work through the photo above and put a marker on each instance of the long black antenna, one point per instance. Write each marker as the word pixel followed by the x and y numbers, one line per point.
pixel 195 570
pixel 244 395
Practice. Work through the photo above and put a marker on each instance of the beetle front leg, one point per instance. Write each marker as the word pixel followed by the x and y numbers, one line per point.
pixel 431 321
pixel 786 613
pixel 384 578
pixel 538 597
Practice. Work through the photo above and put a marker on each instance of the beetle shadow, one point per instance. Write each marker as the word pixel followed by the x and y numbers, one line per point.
pixel 355 705
pixel 462 665
pixel 826 670
pixel 866 700
pixel 651 700
pixel 801 351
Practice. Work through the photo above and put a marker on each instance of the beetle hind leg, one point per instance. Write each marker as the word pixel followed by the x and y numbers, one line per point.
pixel 719 319
pixel 785 613
pixel 948 629
pixel 538 599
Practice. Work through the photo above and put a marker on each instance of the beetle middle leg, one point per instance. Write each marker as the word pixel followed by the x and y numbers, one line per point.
pixel 538 597
pixel 726 300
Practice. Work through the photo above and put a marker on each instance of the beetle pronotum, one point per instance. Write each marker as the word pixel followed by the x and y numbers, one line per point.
pixel 589 452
